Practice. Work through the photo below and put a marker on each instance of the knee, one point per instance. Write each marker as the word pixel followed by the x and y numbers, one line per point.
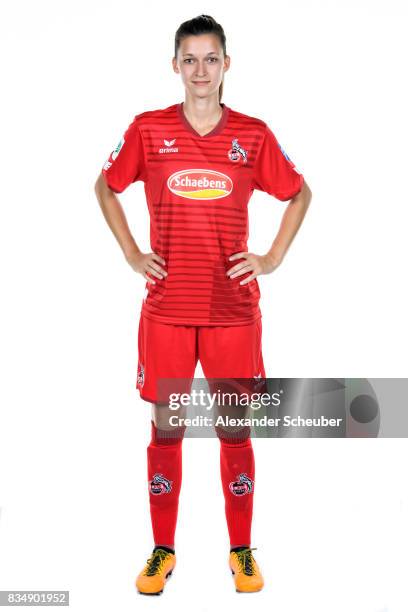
pixel 166 437
pixel 237 437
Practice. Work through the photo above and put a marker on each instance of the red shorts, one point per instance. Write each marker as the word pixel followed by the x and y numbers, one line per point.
pixel 172 351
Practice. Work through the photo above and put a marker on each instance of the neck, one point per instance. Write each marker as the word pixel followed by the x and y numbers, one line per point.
pixel 202 112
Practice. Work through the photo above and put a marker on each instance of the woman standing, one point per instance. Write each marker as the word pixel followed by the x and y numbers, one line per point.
pixel 200 161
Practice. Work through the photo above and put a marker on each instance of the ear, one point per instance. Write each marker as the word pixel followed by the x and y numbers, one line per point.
pixel 175 67
pixel 227 61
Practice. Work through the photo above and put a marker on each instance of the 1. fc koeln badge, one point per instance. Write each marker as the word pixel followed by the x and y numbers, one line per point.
pixel 242 486
pixel 237 152
pixel 160 485
pixel 140 375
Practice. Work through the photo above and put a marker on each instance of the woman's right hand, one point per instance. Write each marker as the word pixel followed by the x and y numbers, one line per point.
pixel 147 263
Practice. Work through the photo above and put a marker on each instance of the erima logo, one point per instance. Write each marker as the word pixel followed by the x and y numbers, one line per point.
pixel 169 146
pixel 199 184
pixel 259 381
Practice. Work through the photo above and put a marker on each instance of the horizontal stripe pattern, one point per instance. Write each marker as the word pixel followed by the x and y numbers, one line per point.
pixel 197 236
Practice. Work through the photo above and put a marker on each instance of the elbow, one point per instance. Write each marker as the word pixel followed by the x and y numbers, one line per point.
pixel 100 187
pixel 98 184
pixel 306 193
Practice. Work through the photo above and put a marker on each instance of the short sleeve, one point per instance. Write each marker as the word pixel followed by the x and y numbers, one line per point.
pixel 126 163
pixel 274 172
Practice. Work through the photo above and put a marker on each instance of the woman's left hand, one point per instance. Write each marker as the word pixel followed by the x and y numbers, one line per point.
pixel 257 264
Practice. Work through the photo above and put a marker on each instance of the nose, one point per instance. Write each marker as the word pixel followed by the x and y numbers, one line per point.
pixel 201 70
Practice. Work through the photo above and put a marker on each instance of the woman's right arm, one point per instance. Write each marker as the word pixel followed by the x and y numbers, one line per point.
pixel 116 219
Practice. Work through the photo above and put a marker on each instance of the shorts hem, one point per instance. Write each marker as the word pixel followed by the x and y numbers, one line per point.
pixel 146 399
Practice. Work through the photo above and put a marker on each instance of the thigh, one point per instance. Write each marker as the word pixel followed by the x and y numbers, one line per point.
pixel 164 352
pixel 233 354
pixel 231 351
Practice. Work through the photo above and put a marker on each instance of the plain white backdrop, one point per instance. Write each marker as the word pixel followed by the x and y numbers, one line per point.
pixel 330 516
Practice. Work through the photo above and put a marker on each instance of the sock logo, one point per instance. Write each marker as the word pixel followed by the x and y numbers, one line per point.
pixel 159 485
pixel 243 485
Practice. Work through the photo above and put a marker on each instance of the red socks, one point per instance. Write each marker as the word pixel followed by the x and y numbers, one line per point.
pixel 237 465
pixel 164 469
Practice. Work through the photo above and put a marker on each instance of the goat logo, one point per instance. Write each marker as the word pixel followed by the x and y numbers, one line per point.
pixel 159 485
pixel 141 375
pixel 243 485
pixel 237 152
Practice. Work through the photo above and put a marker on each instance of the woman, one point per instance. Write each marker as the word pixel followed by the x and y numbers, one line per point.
pixel 200 161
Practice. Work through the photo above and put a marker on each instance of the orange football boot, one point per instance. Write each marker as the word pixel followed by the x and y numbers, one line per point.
pixel 247 576
pixel 158 568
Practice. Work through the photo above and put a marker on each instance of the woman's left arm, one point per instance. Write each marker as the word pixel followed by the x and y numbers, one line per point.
pixel 291 221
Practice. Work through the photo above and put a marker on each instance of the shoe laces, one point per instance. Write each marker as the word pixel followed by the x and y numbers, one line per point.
pixel 246 561
pixel 155 562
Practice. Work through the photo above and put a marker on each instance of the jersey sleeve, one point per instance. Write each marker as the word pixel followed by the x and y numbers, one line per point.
pixel 126 163
pixel 274 172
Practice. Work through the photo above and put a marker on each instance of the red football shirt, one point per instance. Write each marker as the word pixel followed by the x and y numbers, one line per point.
pixel 197 190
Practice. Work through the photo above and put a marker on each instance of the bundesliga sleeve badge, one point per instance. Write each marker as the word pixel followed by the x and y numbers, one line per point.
pixel 286 156
pixel 116 151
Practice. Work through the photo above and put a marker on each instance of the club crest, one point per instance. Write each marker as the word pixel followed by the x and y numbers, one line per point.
pixel 242 486
pixel 160 485
pixel 140 375
pixel 237 152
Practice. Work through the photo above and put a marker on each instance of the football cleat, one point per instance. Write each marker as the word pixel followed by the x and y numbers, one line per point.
pixel 157 570
pixel 245 570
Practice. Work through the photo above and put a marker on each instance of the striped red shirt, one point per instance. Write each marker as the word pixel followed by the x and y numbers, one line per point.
pixel 197 190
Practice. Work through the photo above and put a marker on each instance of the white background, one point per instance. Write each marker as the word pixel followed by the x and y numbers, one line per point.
pixel 330 516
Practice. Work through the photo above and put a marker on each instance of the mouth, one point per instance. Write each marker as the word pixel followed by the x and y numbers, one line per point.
pixel 201 82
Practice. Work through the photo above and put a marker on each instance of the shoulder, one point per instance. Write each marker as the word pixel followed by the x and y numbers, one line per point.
pixel 248 120
pixel 149 116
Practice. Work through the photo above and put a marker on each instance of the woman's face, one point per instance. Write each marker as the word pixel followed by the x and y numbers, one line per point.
pixel 200 61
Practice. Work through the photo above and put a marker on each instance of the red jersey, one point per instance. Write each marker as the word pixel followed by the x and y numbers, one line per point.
pixel 197 190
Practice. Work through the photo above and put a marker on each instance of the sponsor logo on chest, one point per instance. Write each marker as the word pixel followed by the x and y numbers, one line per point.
pixel 200 184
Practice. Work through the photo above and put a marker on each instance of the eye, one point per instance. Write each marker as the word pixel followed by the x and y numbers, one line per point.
pixel 186 61
pixel 213 58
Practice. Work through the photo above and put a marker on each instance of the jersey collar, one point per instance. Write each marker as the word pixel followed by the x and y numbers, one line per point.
pixel 217 129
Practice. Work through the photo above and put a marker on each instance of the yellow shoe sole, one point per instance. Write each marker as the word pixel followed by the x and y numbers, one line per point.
pixel 253 591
